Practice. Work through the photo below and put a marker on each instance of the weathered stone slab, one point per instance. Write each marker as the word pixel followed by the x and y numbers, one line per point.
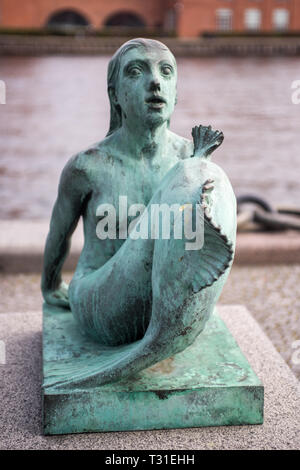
pixel 209 384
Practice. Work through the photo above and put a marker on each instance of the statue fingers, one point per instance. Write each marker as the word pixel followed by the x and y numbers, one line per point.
pixel 208 185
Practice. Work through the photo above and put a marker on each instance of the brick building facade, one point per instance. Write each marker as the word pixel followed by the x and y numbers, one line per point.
pixel 189 18
pixel 238 15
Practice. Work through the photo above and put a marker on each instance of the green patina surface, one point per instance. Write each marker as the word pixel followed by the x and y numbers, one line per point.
pixel 208 384
pixel 143 301
pixel 146 296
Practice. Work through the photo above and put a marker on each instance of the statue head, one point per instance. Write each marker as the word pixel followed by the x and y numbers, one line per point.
pixel 145 69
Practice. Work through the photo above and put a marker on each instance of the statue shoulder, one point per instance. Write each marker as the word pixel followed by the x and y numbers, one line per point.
pixel 99 154
pixel 183 147
pixel 75 166
pixel 85 162
pixel 78 170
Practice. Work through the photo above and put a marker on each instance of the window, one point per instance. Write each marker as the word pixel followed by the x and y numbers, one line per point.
pixel 224 19
pixel 281 19
pixel 252 19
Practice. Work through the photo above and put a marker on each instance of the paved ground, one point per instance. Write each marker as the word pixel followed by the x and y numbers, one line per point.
pixel 21 413
pixel 271 293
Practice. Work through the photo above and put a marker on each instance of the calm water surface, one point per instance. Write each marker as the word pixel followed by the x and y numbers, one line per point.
pixel 57 106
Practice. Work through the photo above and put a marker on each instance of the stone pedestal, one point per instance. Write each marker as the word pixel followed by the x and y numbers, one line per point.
pixel 209 384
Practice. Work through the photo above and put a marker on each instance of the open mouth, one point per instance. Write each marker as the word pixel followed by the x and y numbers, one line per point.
pixel 156 102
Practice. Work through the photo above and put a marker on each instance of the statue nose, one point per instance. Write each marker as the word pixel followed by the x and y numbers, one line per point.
pixel 154 85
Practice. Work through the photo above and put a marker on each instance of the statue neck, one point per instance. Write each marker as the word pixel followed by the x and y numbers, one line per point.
pixel 141 142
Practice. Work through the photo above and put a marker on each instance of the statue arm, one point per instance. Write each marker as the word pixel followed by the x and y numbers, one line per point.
pixel 72 193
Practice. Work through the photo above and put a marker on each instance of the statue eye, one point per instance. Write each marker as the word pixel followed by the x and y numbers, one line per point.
pixel 166 70
pixel 134 71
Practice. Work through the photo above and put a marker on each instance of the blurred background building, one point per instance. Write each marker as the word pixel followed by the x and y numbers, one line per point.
pixel 186 18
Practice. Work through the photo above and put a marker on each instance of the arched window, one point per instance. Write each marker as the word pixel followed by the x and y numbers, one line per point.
pixel 252 19
pixel 125 19
pixel 67 18
pixel 281 19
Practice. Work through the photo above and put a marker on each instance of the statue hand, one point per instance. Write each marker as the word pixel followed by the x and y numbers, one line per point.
pixel 206 140
pixel 58 297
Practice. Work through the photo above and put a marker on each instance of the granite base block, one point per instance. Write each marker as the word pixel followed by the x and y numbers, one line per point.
pixel 209 384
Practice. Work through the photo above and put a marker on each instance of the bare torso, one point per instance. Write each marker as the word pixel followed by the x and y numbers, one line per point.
pixel 111 174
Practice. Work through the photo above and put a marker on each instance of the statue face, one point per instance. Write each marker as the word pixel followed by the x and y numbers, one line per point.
pixel 146 88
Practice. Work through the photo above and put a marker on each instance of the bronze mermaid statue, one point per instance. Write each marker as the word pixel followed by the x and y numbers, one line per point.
pixel 141 298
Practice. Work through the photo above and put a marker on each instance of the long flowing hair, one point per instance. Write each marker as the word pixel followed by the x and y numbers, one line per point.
pixel 114 71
